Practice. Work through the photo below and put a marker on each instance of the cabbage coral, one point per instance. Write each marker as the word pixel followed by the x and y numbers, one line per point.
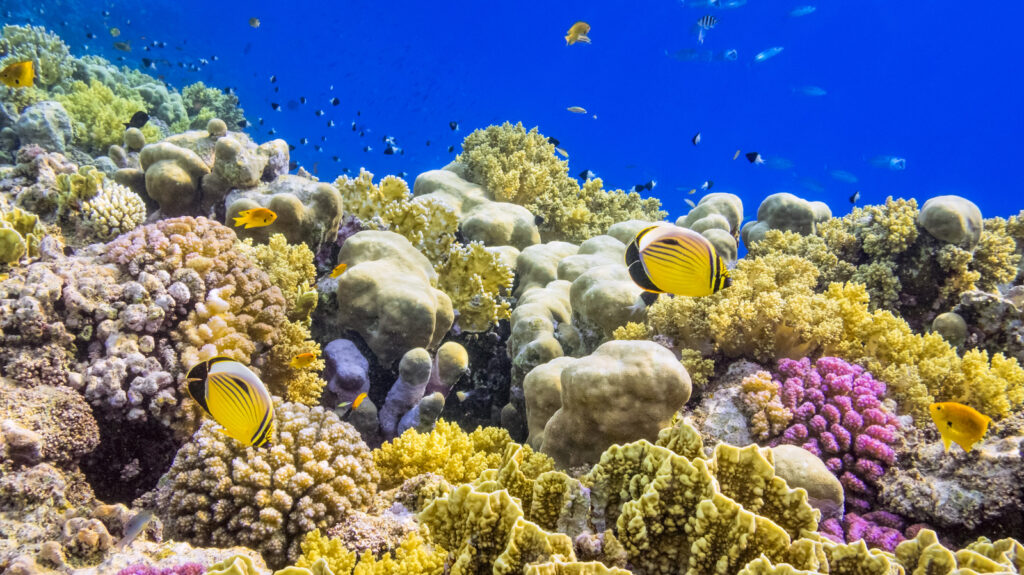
pixel 203 103
pixel 98 116
pixel 521 167
pixel 479 285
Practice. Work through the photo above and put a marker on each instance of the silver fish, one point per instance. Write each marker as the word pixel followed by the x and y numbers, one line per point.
pixel 769 53
pixel 801 11
pixel 133 527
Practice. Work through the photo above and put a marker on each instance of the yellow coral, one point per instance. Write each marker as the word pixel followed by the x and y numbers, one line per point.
pixel 995 258
pixel 98 115
pixel 428 223
pixel 632 331
pixel 447 450
pixel 289 265
pixel 810 247
pixel 478 283
pixel 761 402
pixel 415 555
pixel 700 368
pixel 316 547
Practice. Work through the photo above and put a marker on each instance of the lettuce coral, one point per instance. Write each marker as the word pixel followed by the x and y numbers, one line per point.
pixel 98 115
pixel 521 167
pixel 448 451
pixel 50 56
pixel 478 283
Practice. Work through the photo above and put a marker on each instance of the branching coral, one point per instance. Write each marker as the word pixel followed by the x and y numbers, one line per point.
pixel 203 103
pixel 96 208
pixel 49 54
pixel 762 403
pixel 521 167
pixel 415 555
pixel 428 223
pixel 98 115
pixel 478 283
pixel 219 492
pixel 448 451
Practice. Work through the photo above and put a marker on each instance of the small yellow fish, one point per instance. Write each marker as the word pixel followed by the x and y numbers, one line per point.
pixel 338 270
pixel 690 203
pixel 123 46
pixel 115 32
pixel 577 33
pixel 254 22
pixel 736 155
pixel 255 218
pixel 959 423
pixel 4 277
pixel 18 74
pixel 693 191
pixel 351 405
pixel 577 109
pixel 563 152
pixel 670 259
pixel 303 360
pixel 461 395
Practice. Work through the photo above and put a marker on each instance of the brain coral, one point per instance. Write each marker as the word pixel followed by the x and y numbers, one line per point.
pixel 223 494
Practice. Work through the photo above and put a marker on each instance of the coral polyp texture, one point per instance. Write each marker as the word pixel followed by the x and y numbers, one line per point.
pixel 222 493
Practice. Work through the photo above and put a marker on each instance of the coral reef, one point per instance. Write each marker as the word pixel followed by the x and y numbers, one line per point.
pixel 221 493
pixel 98 115
pixel 49 54
pixel 478 283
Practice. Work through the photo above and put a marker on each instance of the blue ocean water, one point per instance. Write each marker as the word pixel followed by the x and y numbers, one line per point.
pixel 936 83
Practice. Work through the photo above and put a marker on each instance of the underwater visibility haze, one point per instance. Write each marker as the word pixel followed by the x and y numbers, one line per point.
pixel 583 288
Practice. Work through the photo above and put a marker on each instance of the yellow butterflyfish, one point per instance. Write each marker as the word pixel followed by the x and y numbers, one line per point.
pixel 671 259
pixel 18 75
pixel 234 397
pixel 338 270
pixel 303 360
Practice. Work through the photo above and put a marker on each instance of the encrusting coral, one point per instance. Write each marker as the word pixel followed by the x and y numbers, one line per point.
pixel 521 167
pixel 219 492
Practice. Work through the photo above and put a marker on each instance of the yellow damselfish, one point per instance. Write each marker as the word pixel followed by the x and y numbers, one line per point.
pixel 959 423
pixel 18 75
pixel 303 360
pixel 235 398
pixel 255 218
pixel 352 406
pixel 338 270
pixel 577 33
pixel 671 259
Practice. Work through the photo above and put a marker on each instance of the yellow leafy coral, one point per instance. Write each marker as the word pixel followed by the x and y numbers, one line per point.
pixel 98 115
pixel 428 223
pixel 448 451
pixel 760 398
pixel 478 283
pixel 415 555
pixel 521 167
pixel 316 547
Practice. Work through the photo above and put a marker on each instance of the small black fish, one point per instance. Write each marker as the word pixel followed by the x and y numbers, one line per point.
pixel 273 79
pixel 361 133
pixel 358 113
pixel 428 142
pixel 695 139
pixel 291 147
pixel 645 186
pixel 353 126
pixel 403 174
pixel 707 185
pixel 302 99
pixel 303 141
pixel 330 123
pixel 138 120
pixel 335 101
pixel 754 158
pixel 367 148
pixel 90 35
pixel 855 197
pixel 229 90
pixel 319 113
pixel 335 158
pixel 538 219
pixel 214 58
pixel 323 138
pixel 292 165
pixel 277 89
pixel 243 123
pixel 345 170
pixel 553 141
pixel 453 125
pixel 318 147
pixel 261 121
pixel 587 175
pixel 271 131
pixel 106 13
pixel 275 106
pixel 451 149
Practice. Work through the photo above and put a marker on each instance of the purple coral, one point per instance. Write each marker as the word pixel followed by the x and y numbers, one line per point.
pixel 183 569
pixel 838 415
pixel 880 529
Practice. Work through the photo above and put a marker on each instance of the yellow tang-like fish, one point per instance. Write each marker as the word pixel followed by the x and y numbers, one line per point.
pixel 303 360
pixel 670 259
pixel 18 74
pixel 255 218
pixel 338 270
pixel 235 398
pixel 959 423
pixel 577 33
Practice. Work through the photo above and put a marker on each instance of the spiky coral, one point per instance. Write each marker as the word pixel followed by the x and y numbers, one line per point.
pixel 415 555
pixel 49 54
pixel 98 115
pixel 521 167
pixel 479 285
pixel 97 208
pixel 447 450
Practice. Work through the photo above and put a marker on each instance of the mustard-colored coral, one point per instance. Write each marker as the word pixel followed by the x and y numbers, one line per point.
pixel 415 555
pixel 98 115
pixel 995 257
pixel 478 283
pixel 632 331
pixel 700 368
pixel 810 247
pixel 521 167
pixel 761 402
pixel 289 265
pixel 428 223
pixel 20 234
pixel 316 547
pixel 448 451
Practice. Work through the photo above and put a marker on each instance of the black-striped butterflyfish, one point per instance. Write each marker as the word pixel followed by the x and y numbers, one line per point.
pixel 235 398
pixel 671 259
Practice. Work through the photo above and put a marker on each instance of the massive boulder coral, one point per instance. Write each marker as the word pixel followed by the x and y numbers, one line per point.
pixel 307 212
pixel 388 295
pixel 59 417
pixel 219 492
pixel 784 211
pixel 625 390
pixel 717 217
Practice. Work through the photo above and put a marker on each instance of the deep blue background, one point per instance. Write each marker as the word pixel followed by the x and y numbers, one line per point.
pixel 936 82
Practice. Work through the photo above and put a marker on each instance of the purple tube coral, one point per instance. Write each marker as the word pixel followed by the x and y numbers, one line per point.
pixel 183 569
pixel 880 529
pixel 838 416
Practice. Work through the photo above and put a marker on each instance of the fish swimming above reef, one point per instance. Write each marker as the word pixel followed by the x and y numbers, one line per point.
pixel 648 185
pixel 254 22
pixel 303 360
pixel 578 33
pixel 801 11
pixel 255 218
pixel 235 398
pixel 453 125
pixel 577 109
pixel 754 158
pixel 670 259
pixel 351 405
pixel 137 120
pixel 562 152
pixel 959 423
pixel 769 53
pixel 695 140
pixel 115 32
pixel 123 46
pixel 855 197
pixel 18 75
pixel 133 527
pixel 587 175
pixel 706 23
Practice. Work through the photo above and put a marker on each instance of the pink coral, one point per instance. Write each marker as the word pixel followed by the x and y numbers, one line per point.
pixel 880 529
pixel 838 415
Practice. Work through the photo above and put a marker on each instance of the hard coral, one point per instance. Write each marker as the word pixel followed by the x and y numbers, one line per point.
pixel 98 115
pixel 50 56
pixel 204 103
pixel 221 493
pixel 478 283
